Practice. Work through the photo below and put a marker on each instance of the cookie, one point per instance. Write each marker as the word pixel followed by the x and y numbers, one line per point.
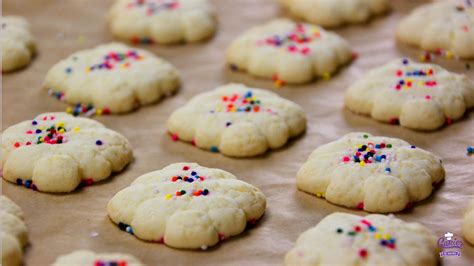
pixel 163 21
pixel 237 121
pixel 415 95
pixel 336 13
pixel 347 239
pixel 112 78
pixel 186 205
pixel 376 174
pixel 289 52
pixel 56 152
pixel 17 43
pixel 90 258
pixel 443 25
pixel 13 232
pixel 468 223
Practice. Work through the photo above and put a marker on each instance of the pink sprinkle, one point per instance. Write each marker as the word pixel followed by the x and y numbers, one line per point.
pixel 174 137
pixel 346 159
pixel 428 97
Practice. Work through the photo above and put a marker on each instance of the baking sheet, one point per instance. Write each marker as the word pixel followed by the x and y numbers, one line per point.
pixel 59 224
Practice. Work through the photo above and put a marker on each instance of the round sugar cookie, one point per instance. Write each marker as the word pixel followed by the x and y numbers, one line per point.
pixel 376 174
pixel 186 205
pixel 416 95
pixel 333 13
pixel 17 43
pixel 163 21
pixel 13 233
pixel 347 239
pixel 237 121
pixel 90 258
pixel 56 152
pixel 442 25
pixel 289 52
pixel 111 78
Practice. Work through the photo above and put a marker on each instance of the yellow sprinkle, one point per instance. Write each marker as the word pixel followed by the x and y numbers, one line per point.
pixel 319 195
pixel 449 55
pixel 362 163
pixel 81 39
pixel 378 236
pixel 326 76
pixel 76 129
pixel 60 124
pixel 422 58
pixel 278 83
pixel 69 110
pixel 98 111
pixel 42 128
pixel 168 196
pixel 420 83
pixel 88 69
pixel 61 130
pixel 386 236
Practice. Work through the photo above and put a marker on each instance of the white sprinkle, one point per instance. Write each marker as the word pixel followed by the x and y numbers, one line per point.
pixel 94 234
pixel 204 247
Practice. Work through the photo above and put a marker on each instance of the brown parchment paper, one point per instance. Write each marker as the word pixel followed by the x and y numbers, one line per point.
pixel 60 224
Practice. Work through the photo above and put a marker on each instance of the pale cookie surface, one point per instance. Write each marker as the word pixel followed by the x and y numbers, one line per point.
pixel 346 239
pixel 289 52
pixel 112 77
pixel 56 152
pixel 185 205
pixel 376 174
pixel 237 121
pixel 418 96
pixel 333 13
pixel 443 25
pixel 13 232
pixel 163 21
pixel 468 223
pixel 17 43
pixel 90 258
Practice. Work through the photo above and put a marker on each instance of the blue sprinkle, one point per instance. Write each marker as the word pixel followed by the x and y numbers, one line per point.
pixel 38 131
pixel 392 240
pixel 19 181
pixel 34 123
pixel 129 230
pixel 372 228
pixel 413 147
pixel 388 170
pixel 214 149
pixel 193 173
pixel 405 61
pixel 470 150
pixel 190 180
pixel 28 183
pixel 68 70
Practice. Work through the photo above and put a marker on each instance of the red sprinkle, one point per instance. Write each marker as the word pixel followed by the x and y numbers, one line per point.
pixel 360 206
pixel 17 144
pixel 363 252
pixel 185 168
pixel 174 137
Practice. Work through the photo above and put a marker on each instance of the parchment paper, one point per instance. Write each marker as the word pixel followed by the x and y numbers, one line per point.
pixel 60 224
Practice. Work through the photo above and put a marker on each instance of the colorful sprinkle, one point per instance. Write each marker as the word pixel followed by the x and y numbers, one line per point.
pixel 294 41
pixel 154 7
pixel 367 154
pixel 470 150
